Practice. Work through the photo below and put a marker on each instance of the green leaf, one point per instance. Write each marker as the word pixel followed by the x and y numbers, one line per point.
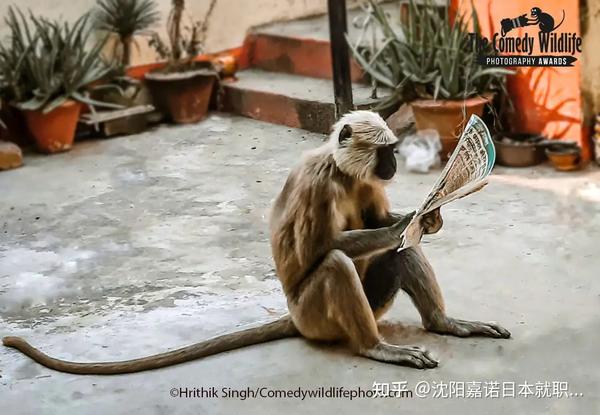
pixel 437 86
pixel 87 100
pixel 369 68
pixel 33 104
pixel 55 103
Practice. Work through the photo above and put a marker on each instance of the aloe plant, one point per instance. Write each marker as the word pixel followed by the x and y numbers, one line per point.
pixel 15 78
pixel 430 57
pixel 126 19
pixel 48 62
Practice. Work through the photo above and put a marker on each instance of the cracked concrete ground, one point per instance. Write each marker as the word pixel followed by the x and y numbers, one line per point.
pixel 135 245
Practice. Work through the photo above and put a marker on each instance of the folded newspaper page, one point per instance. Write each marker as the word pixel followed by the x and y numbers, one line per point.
pixel 466 172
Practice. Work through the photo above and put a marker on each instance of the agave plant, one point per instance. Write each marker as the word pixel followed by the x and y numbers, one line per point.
pixel 126 19
pixel 49 62
pixel 185 41
pixel 430 57
pixel 14 76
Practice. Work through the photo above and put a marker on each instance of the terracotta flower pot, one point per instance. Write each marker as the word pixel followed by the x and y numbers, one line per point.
pixel 519 149
pixel 565 159
pixel 55 131
pixel 16 129
pixel 182 96
pixel 448 117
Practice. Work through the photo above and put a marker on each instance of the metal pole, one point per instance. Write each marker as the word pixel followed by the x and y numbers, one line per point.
pixel 342 83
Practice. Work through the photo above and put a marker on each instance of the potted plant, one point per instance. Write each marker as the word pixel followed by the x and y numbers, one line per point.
pixel 564 155
pixel 48 68
pixel 431 64
pixel 123 21
pixel 183 87
pixel 12 81
pixel 519 149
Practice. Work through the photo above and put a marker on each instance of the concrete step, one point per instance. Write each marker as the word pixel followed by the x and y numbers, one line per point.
pixel 301 47
pixel 306 57
pixel 285 99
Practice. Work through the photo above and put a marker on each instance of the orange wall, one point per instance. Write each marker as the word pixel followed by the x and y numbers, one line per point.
pixel 546 100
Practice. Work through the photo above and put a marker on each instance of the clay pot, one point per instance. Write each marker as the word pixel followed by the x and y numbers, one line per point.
pixel 227 65
pixel 566 159
pixel 183 96
pixel 448 117
pixel 16 129
pixel 519 150
pixel 55 131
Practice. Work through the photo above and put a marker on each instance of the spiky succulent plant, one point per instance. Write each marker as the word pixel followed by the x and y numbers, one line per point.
pixel 429 57
pixel 47 62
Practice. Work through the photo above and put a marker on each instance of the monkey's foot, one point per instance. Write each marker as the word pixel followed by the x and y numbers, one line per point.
pixel 464 328
pixel 413 356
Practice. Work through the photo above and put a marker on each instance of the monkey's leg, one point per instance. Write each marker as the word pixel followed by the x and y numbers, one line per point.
pixel 382 282
pixel 330 304
pixel 410 271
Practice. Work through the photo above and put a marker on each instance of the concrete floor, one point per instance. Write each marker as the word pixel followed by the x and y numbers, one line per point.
pixel 135 245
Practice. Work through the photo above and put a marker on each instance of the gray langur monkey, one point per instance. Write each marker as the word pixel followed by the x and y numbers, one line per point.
pixel 334 244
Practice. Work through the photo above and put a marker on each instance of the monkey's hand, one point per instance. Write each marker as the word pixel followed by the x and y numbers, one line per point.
pixel 399 227
pixel 432 222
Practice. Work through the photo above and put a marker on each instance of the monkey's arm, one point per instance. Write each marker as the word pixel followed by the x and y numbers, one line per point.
pixel 431 222
pixel 389 219
pixel 363 242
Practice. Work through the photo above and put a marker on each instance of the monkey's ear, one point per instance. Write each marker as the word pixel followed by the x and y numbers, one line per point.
pixel 345 134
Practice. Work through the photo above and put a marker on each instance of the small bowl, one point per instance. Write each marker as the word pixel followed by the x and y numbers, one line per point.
pixel 518 150
pixel 567 159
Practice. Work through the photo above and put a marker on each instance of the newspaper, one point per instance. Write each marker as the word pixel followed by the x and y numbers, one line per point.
pixel 466 172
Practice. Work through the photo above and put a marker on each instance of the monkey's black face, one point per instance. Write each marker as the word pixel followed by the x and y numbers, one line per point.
pixel 386 162
pixel 535 12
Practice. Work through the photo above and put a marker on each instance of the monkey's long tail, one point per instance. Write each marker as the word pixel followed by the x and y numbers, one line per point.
pixel 278 329
pixel 561 22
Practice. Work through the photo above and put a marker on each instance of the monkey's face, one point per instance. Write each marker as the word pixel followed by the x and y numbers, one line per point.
pixel 535 12
pixel 386 162
pixel 364 157
pixel 364 147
